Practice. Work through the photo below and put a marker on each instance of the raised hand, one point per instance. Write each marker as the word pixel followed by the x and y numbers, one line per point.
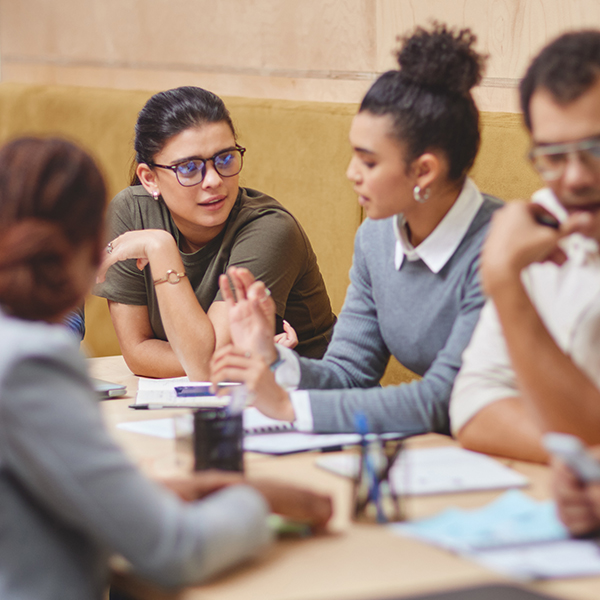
pixel 516 239
pixel 251 313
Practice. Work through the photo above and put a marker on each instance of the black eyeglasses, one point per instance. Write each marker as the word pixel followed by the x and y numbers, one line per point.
pixel 227 163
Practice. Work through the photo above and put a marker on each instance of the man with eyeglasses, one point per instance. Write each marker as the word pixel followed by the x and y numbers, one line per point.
pixel 533 363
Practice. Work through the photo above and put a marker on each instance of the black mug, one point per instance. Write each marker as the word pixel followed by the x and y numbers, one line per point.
pixel 218 440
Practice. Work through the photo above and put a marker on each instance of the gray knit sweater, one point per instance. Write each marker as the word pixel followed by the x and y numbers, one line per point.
pixel 422 318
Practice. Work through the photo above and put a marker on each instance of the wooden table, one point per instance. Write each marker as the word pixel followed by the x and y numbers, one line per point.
pixel 353 561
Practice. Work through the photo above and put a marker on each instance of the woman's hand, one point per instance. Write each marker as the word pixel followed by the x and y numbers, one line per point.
pixel 288 338
pixel 251 313
pixel 140 245
pixel 234 364
pixel 284 499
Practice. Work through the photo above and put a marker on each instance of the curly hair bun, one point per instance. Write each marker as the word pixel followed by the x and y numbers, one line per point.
pixel 441 58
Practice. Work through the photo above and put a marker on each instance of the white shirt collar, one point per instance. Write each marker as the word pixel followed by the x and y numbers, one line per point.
pixel 439 246
pixel 577 247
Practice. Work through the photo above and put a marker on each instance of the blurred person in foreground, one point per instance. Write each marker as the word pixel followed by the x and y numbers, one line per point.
pixel 69 497
pixel 533 365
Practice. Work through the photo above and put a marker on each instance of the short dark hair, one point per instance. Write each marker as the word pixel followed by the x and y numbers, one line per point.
pixel 170 112
pixel 429 98
pixel 52 201
pixel 567 68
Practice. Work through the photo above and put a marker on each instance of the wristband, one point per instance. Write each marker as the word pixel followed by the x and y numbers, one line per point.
pixel 172 277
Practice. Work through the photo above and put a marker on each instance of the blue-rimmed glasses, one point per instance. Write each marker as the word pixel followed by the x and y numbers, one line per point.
pixel 550 160
pixel 227 163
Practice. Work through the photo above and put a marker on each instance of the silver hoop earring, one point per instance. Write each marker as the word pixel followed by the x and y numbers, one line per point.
pixel 420 197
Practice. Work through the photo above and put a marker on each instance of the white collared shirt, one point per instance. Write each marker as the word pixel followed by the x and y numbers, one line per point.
pixel 439 246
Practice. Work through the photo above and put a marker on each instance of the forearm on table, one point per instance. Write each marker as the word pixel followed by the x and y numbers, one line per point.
pixel 189 331
pixel 415 407
pixel 505 428
pixel 152 358
pixel 144 354
pixel 561 396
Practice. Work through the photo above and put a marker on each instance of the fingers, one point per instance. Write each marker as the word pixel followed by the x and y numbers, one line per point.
pixel 579 223
pixel 226 292
pixel 290 338
pixel 241 280
pixel 246 278
pixel 576 507
pixel 233 364
pixel 108 261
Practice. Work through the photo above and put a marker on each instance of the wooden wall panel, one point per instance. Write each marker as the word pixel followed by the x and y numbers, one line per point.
pixel 328 50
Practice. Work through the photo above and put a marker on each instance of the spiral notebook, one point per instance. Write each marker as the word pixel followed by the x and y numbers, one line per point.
pixel 256 423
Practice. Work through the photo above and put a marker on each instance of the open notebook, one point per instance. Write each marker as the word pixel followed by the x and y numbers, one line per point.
pixel 264 435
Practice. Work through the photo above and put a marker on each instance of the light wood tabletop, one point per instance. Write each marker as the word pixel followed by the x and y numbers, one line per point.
pixel 352 561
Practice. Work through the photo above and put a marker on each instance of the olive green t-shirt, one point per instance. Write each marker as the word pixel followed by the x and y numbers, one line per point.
pixel 260 235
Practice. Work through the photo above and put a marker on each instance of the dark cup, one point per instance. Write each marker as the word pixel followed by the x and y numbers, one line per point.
pixel 218 440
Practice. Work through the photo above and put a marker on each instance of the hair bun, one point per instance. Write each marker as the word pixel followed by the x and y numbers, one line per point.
pixel 441 58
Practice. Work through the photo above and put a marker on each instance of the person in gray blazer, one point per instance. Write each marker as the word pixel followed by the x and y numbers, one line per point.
pixel 69 497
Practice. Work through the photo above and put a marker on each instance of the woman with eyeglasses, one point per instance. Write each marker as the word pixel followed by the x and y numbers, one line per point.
pixel 70 497
pixel 414 290
pixel 181 224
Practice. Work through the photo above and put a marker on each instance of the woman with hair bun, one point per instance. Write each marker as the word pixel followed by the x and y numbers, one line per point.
pixel 69 495
pixel 414 290
pixel 181 224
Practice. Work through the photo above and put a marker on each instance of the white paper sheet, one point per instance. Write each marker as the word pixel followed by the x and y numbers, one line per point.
pixel 436 471
pixel 162 428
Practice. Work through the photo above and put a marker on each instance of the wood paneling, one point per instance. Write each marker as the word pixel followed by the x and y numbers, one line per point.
pixel 327 50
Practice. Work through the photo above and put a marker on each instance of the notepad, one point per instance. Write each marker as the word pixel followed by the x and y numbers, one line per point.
pixel 257 423
pixel 160 393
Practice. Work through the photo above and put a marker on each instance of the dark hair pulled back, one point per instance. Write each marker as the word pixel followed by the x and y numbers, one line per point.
pixel 567 68
pixel 429 98
pixel 52 200
pixel 170 112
